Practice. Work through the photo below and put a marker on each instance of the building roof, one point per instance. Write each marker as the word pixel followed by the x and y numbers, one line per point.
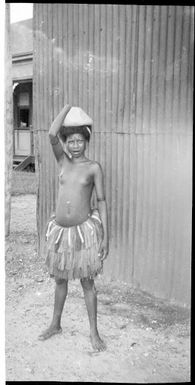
pixel 22 37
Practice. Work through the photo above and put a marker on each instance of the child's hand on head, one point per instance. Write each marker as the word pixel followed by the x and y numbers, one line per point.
pixel 67 105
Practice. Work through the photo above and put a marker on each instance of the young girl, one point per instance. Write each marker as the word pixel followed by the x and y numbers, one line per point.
pixel 77 237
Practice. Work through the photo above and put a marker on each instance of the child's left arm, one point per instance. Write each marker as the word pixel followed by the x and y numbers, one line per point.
pixel 102 207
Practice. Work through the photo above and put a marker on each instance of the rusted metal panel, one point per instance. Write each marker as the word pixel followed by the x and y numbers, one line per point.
pixel 130 68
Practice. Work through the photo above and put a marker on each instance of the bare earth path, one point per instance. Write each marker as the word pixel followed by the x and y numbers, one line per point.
pixel 147 340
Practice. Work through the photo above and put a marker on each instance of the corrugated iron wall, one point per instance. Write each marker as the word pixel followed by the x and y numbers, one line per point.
pixel 130 68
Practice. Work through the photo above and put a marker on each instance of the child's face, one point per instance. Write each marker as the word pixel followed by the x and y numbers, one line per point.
pixel 76 145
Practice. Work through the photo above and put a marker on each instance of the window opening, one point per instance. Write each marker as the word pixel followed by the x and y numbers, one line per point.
pixel 23 117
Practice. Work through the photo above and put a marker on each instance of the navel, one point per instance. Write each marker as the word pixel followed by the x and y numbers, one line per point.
pixel 68 207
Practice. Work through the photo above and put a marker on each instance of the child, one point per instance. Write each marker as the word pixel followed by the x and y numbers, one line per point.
pixel 77 237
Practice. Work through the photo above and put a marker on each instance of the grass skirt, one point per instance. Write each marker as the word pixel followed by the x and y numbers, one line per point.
pixel 72 252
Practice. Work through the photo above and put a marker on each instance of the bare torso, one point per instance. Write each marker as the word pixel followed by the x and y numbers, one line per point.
pixel 76 184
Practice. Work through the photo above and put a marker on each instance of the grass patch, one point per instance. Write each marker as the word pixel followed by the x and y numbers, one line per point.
pixel 23 182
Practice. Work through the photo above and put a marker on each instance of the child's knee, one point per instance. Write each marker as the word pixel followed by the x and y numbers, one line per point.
pixel 88 285
pixel 60 281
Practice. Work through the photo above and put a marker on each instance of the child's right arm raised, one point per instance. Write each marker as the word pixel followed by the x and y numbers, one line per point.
pixel 54 130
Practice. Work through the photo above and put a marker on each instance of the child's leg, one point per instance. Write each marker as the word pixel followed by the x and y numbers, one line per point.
pixel 60 297
pixel 91 304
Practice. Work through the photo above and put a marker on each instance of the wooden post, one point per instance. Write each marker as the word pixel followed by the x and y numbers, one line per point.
pixel 8 119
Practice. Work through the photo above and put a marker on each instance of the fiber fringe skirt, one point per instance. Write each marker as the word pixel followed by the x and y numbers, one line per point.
pixel 72 252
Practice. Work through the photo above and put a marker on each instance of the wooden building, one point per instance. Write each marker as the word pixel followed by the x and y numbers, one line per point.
pixel 22 76
pixel 130 67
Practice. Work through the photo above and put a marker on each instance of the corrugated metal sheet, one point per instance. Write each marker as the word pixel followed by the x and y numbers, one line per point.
pixel 164 69
pixel 163 215
pixel 131 68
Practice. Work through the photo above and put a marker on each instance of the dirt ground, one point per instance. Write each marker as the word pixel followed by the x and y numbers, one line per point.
pixel 148 341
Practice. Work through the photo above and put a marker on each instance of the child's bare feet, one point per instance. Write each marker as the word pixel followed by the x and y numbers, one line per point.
pixel 52 330
pixel 97 343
